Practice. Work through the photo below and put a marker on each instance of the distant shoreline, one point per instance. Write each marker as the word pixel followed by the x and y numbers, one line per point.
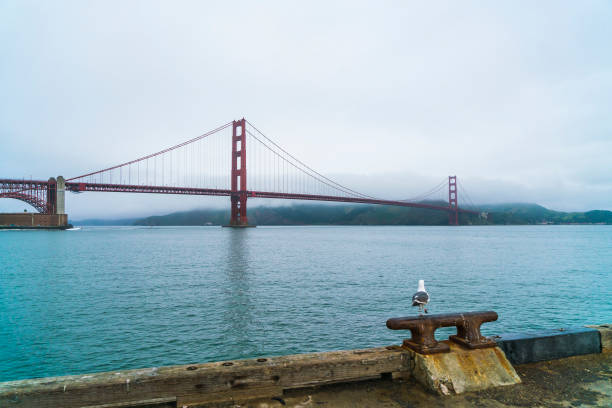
pixel 367 215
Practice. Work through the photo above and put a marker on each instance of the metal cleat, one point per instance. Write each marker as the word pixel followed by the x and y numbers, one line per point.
pixel 422 329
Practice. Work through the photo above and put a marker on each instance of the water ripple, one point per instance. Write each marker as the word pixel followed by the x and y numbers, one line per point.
pixel 102 299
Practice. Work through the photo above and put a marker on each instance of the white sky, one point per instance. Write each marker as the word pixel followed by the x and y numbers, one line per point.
pixel 387 97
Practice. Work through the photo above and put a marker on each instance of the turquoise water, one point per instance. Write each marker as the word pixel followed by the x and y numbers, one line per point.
pixel 111 298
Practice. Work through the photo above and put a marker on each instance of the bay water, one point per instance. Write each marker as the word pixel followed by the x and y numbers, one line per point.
pixel 110 298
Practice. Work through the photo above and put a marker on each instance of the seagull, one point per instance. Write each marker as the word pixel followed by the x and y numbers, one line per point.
pixel 421 297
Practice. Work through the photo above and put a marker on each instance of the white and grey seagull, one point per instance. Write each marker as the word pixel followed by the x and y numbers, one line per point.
pixel 421 297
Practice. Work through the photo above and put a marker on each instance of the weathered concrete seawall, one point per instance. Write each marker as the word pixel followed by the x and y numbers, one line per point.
pixel 521 348
pixel 233 381
pixel 33 220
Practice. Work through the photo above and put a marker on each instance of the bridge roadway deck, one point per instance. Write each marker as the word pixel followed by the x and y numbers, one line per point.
pixel 9 187
pixel 121 188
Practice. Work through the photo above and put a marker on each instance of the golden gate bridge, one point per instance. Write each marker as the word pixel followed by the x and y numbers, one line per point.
pixel 211 166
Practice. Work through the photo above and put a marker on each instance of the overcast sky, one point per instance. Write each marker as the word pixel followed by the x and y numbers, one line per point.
pixel 515 98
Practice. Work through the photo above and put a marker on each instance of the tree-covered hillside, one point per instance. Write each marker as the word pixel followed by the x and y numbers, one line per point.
pixel 521 213
pixel 321 214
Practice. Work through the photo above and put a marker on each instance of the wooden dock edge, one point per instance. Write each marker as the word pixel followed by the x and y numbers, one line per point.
pixel 196 385
pixel 199 384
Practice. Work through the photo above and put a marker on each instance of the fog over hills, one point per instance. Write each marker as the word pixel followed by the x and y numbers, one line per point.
pixel 361 214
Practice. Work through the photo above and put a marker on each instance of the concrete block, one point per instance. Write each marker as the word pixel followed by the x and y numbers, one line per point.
pixel 462 370
pixel 521 348
pixel 605 334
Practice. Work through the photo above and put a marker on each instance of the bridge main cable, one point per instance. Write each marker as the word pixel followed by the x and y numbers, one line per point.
pixel 195 139
pixel 316 174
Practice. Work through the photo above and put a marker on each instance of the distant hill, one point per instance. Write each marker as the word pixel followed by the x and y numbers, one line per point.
pixel 308 214
pixel 361 214
pixel 522 213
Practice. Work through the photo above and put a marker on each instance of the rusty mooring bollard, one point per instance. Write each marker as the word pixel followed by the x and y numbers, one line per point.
pixel 423 328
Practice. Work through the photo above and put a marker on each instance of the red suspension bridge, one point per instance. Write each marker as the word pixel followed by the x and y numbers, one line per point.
pixel 209 165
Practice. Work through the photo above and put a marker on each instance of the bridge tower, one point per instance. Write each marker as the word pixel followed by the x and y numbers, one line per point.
pixel 238 217
pixel 60 195
pixel 56 195
pixel 453 213
pixel 51 195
